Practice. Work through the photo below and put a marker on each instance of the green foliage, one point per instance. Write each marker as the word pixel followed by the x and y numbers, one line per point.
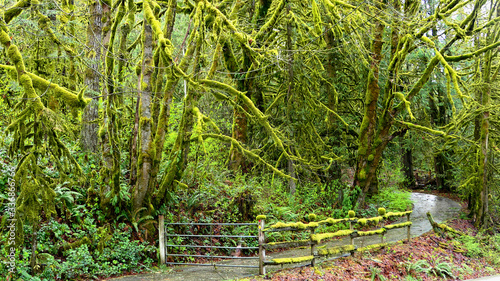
pixel 392 198
pixel 437 268
pixel 376 274
pixel 472 244
pixel 482 245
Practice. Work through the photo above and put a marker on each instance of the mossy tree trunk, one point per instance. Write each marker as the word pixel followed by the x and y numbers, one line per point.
pixel 90 127
pixel 146 151
pixel 109 137
pixel 289 94
pixel 370 142
pixel 480 209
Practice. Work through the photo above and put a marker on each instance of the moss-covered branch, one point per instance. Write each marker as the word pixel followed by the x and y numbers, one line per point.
pixel 70 98
pixel 16 10
pixel 246 152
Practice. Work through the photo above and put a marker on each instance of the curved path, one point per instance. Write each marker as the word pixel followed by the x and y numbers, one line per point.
pixel 441 209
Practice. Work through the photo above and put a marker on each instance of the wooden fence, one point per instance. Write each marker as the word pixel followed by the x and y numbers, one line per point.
pixel 317 238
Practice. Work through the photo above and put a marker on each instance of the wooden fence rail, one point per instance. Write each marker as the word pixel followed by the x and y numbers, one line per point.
pixel 316 239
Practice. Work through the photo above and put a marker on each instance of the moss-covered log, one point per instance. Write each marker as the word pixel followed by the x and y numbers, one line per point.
pixel 74 245
pixel 441 227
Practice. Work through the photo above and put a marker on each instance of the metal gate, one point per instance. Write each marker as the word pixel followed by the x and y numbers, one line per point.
pixel 169 246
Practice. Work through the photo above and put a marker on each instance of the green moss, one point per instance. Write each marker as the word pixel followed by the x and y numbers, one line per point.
pixel 362 150
pixel 381 211
pixel 362 174
pixel 4 38
pixel 260 217
pixel 372 247
pixel 372 232
pixel 362 222
pixel 336 250
pixel 370 157
pixel 295 225
pixel 375 219
pixel 331 221
pixel 312 225
pixel 318 237
pixel 288 242
pixel 312 217
pixel 396 214
pixel 398 225
pixel 16 58
pixel 352 214
pixel 293 260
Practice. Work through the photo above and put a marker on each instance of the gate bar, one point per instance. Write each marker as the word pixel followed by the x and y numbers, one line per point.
pixel 218 236
pixel 221 265
pixel 216 247
pixel 212 257
pixel 204 223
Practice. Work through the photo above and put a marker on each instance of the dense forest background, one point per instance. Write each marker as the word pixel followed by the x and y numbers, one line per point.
pixel 115 112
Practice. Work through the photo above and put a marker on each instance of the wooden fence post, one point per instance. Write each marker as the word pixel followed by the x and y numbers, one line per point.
pixel 262 251
pixel 350 227
pixel 408 227
pixel 313 246
pixel 161 230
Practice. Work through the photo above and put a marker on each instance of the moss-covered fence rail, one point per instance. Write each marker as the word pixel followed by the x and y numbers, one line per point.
pixel 317 238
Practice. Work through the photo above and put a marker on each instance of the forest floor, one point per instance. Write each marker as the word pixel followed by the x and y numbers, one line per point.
pixel 426 257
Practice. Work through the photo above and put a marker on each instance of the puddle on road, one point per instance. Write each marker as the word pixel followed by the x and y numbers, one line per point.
pixel 441 208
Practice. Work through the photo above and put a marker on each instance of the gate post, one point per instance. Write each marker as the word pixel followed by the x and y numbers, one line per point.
pixel 161 230
pixel 262 241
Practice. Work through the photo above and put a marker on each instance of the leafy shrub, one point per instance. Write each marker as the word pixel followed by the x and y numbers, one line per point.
pixel 472 245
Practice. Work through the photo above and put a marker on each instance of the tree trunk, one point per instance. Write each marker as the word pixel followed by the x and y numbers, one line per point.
pixel 408 167
pixel 291 168
pixel 145 137
pixel 370 142
pixel 88 134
